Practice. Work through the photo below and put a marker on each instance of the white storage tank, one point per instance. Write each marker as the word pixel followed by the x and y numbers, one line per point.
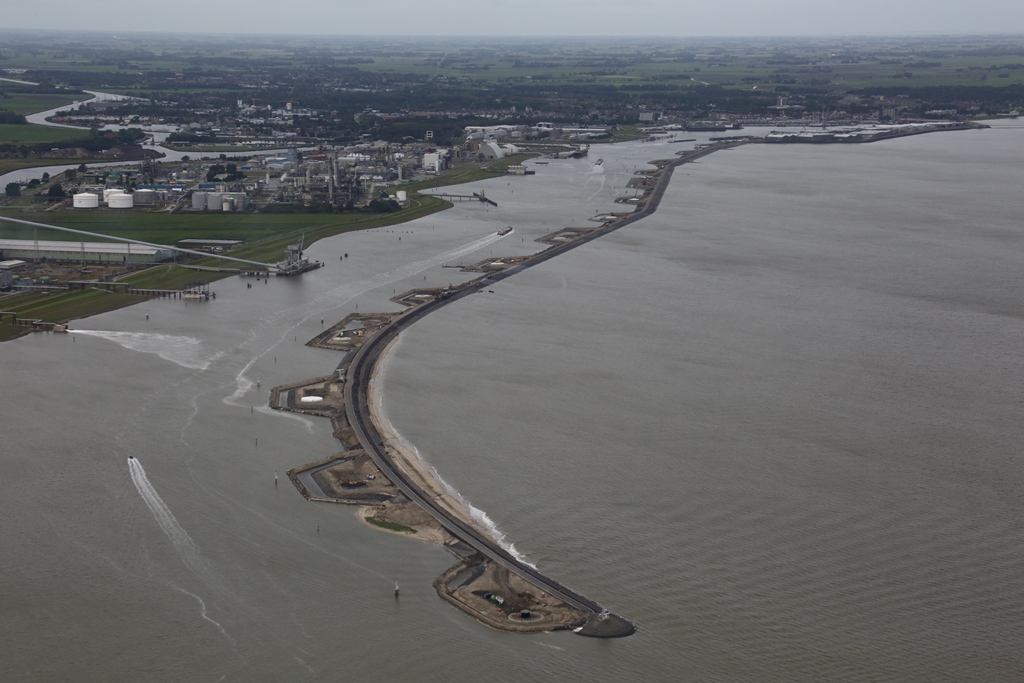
pixel 109 191
pixel 402 196
pixel 120 200
pixel 228 204
pixel 214 201
pixel 198 200
pixel 85 200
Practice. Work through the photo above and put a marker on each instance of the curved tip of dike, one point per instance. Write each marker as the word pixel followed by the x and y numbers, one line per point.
pixel 606 625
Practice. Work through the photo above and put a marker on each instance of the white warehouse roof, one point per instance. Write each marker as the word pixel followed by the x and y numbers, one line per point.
pixel 88 247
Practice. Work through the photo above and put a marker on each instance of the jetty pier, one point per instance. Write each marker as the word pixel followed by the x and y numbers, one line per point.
pixel 600 622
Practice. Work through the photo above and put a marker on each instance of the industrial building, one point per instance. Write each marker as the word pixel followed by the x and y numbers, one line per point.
pixel 490 151
pixel 437 161
pixel 82 252
pixel 7 269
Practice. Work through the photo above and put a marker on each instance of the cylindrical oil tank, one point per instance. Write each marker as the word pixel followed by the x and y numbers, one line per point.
pixel 119 200
pixel 402 196
pixel 144 197
pixel 85 200
pixel 241 202
pixel 198 200
pixel 214 201
pixel 227 204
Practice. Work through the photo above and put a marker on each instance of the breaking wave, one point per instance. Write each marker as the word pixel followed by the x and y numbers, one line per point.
pixel 482 520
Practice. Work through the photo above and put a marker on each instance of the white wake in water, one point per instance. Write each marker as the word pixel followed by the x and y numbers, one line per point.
pixel 343 294
pixel 179 537
pixel 203 614
pixel 483 521
pixel 601 188
pixel 163 515
pixel 187 352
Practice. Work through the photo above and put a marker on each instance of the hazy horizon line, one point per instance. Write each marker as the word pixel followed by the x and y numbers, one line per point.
pixel 110 32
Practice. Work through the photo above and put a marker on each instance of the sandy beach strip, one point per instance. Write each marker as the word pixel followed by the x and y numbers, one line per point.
pixel 419 473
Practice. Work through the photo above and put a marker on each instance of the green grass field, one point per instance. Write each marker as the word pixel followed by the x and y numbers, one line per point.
pixel 735 69
pixel 169 276
pixel 60 307
pixel 272 249
pixel 25 103
pixel 29 134
pixel 33 160
pixel 390 526
pixel 162 227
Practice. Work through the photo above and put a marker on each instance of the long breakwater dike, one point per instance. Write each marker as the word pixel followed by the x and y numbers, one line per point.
pixel 396 491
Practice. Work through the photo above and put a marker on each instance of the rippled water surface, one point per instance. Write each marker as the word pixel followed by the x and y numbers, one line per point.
pixel 776 425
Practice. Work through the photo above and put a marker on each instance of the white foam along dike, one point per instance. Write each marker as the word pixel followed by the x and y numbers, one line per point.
pixel 483 521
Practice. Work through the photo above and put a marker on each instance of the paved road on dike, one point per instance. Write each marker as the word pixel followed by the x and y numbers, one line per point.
pixel 361 370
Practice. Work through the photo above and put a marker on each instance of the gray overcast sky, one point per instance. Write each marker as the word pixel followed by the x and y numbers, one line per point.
pixel 525 17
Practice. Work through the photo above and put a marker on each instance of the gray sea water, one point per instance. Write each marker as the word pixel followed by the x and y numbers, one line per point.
pixel 777 425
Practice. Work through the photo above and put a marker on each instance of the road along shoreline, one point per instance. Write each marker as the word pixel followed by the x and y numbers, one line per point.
pixel 489 582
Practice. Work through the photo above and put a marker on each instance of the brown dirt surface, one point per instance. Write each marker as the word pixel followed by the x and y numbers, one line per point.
pixel 330 392
pixel 351 332
pixel 468 586
pixel 410 515
pixel 354 474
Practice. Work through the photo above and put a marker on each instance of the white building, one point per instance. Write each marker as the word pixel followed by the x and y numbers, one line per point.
pixel 490 150
pixel 435 162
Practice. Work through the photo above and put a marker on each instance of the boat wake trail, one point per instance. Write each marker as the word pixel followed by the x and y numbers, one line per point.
pixel 164 517
pixel 203 614
pixel 184 351
pixel 179 537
